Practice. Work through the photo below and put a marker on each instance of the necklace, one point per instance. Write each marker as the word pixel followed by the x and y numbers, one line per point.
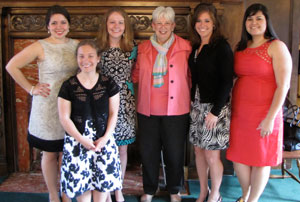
pixel 195 56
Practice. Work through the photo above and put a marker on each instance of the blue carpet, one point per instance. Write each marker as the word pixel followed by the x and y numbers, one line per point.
pixel 277 190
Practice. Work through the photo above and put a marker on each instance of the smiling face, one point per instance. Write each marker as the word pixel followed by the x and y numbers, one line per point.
pixel 58 26
pixel 87 59
pixel 163 29
pixel 115 26
pixel 256 24
pixel 204 26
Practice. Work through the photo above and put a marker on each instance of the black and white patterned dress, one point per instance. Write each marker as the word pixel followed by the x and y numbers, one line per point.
pixel 212 80
pixel 84 170
pixel 218 137
pixel 118 65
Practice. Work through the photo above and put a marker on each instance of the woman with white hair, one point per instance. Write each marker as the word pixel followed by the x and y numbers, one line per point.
pixel 163 104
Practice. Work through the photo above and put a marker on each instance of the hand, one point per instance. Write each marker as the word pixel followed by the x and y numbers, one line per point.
pixel 211 121
pixel 41 89
pixel 87 143
pixel 266 127
pixel 100 143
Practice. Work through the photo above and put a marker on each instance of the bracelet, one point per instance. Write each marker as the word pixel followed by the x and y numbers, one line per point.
pixel 31 90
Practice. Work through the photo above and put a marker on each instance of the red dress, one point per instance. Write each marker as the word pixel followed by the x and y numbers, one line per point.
pixel 251 99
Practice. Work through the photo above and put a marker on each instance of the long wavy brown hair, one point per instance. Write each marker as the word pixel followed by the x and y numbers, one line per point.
pixel 212 11
pixel 126 42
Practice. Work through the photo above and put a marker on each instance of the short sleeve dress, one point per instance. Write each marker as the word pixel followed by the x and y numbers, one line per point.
pixel 252 97
pixel 83 170
pixel 118 64
pixel 45 130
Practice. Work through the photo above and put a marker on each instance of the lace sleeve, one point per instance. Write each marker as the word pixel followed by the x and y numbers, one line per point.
pixel 64 90
pixel 113 87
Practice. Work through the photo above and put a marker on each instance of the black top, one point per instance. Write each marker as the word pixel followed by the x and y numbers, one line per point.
pixel 89 104
pixel 212 71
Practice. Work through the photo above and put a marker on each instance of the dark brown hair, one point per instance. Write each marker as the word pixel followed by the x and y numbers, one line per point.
pixel 212 11
pixel 57 9
pixel 245 37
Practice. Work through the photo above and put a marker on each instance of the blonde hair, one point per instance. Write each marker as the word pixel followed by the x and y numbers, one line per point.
pixel 126 42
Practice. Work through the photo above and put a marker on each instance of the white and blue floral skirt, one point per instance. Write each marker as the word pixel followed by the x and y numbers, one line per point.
pixel 84 170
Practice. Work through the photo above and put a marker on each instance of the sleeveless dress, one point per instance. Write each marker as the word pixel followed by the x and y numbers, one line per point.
pixel 83 170
pixel 252 97
pixel 118 65
pixel 45 130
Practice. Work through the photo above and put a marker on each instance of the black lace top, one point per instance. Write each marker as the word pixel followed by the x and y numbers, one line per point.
pixel 89 104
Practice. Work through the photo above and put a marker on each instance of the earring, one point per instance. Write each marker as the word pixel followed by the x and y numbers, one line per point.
pixel 48 31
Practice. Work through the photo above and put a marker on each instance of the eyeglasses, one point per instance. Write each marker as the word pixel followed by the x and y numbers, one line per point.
pixel 160 24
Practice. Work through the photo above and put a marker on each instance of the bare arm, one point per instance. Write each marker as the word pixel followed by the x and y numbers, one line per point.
pixel 26 56
pixel 114 103
pixel 282 65
pixel 64 111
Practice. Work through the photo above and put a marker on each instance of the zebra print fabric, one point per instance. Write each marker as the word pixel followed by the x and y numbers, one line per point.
pixel 215 139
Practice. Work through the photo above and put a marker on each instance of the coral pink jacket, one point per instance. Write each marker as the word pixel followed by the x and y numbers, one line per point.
pixel 179 77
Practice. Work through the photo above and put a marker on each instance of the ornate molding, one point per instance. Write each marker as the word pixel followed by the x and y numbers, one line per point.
pixel 181 24
pixel 27 23
pixel 140 23
pixel 87 23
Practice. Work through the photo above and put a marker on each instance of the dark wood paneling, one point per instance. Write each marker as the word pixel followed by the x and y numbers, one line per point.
pixel 284 16
pixel 26 21
pixel 3 162
pixel 294 44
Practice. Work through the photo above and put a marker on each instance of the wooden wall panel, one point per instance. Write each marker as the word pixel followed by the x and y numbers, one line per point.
pixel 3 162
pixel 24 24
pixel 294 44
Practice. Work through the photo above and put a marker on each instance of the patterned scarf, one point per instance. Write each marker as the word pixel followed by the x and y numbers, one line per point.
pixel 160 66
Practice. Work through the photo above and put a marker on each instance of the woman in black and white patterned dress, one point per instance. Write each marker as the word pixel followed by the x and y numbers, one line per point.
pixel 118 56
pixel 88 106
pixel 211 64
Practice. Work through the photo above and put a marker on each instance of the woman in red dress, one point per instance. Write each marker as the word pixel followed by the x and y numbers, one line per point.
pixel 263 66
